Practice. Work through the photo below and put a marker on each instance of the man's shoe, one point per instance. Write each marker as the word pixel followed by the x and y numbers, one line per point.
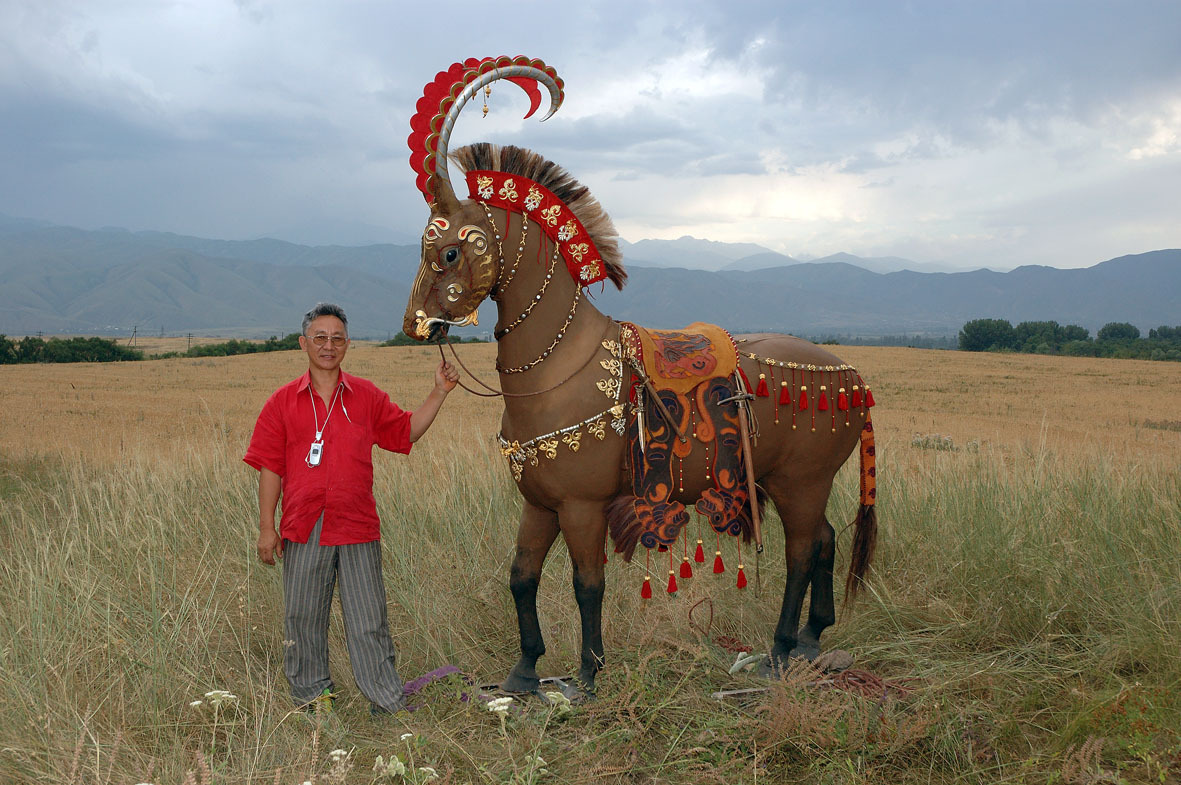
pixel 324 703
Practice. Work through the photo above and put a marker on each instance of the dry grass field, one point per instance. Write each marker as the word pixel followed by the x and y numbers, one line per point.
pixel 1005 402
pixel 1025 601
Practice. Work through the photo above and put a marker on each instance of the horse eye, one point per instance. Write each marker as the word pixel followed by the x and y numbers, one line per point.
pixel 451 256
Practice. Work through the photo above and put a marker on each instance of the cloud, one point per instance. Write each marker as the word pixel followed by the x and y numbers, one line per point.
pixel 955 132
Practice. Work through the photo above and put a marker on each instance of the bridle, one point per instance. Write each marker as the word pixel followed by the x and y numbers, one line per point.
pixel 499 288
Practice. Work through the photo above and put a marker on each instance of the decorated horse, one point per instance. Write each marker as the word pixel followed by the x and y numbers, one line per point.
pixel 611 426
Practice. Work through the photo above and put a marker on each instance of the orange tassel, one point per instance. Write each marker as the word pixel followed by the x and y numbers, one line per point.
pixel 803 397
pixel 646 592
pixel 741 578
pixel 762 391
pixel 672 582
pixel 822 404
pixel 856 396
pixel 842 400
pixel 868 397
pixel 699 556
pixel 784 394
pixel 719 567
pixel 686 568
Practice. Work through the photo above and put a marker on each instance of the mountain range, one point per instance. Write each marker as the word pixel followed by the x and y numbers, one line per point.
pixel 63 280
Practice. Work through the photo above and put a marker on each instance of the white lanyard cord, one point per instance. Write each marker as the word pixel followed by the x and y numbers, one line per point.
pixel 316 415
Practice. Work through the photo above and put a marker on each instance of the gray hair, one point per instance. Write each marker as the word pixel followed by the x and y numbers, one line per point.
pixel 324 309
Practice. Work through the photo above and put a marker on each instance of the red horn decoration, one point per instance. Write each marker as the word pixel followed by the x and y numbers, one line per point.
pixel 444 98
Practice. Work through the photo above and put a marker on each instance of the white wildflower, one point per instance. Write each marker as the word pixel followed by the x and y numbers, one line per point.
pixel 428 773
pixel 379 765
pixel 499 705
pixel 396 767
pixel 195 704
pixel 338 755
pixel 218 697
pixel 405 736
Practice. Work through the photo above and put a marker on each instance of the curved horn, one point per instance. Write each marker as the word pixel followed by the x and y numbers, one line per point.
pixel 444 98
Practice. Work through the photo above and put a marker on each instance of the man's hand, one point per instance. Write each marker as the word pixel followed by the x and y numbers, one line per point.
pixel 270 545
pixel 446 377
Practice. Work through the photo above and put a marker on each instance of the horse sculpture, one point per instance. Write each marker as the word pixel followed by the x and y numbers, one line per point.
pixel 589 429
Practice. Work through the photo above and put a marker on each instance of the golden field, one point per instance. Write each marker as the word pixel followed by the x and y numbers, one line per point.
pixel 1003 402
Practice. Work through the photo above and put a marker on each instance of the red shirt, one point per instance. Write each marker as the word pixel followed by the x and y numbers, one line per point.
pixel 342 485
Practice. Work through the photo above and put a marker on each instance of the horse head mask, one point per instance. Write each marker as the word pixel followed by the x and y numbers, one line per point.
pixel 459 265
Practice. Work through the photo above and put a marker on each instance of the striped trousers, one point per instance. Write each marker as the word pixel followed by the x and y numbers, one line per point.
pixel 310 574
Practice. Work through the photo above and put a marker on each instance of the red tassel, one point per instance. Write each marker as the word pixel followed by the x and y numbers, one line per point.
pixel 784 394
pixel 868 397
pixel 762 390
pixel 822 404
pixel 604 556
pixel 719 567
pixel 856 396
pixel 803 397
pixel 686 568
pixel 646 592
pixel 842 400
pixel 741 578
pixel 699 556
pixel 662 548
pixel 672 582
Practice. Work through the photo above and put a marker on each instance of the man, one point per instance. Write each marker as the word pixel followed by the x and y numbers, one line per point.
pixel 313 446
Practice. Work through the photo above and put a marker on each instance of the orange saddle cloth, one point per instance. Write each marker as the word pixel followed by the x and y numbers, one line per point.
pixel 679 360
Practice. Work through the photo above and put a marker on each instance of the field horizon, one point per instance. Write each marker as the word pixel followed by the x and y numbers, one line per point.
pixel 1025 603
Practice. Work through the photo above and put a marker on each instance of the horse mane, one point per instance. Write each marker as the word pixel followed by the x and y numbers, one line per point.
pixel 528 164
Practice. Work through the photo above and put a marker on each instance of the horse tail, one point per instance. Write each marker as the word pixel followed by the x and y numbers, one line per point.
pixel 866 536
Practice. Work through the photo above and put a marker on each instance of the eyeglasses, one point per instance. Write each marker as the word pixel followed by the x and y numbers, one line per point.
pixel 337 340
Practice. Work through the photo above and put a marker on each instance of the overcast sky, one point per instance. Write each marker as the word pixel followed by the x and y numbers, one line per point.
pixel 971 133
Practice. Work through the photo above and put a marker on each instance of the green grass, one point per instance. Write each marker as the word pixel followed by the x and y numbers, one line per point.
pixel 1029 604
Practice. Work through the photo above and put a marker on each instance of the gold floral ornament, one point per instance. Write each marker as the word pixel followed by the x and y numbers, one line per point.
pixel 568 230
pixel 609 387
pixel 572 440
pixel 484 186
pixel 533 199
pixel 508 191
pixel 549 448
pixel 598 428
pixel 579 250
pixel 588 272
pixel 550 214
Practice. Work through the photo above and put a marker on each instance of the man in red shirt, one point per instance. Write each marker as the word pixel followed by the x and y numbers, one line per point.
pixel 313 446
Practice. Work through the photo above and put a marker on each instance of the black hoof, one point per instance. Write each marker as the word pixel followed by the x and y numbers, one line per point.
pixel 520 683
pixel 808 650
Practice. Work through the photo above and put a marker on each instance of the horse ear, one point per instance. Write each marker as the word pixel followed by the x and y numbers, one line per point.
pixel 444 201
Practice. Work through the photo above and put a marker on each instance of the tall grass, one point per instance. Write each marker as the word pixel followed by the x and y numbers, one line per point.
pixel 1026 604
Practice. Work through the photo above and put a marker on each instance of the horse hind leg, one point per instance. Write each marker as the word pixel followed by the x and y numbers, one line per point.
pixel 537 532
pixel 821 608
pixel 808 549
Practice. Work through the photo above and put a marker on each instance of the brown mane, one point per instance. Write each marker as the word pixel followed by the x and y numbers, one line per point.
pixel 526 163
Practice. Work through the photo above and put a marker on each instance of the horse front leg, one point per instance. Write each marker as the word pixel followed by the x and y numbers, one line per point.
pixel 584 528
pixel 537 532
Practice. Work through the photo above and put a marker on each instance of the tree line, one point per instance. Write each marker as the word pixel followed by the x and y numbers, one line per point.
pixel 1114 339
pixel 33 349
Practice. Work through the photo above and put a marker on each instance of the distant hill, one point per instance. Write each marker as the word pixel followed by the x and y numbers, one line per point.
pixel 690 253
pixel 57 279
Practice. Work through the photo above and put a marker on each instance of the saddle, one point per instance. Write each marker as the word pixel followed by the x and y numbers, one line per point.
pixel 683 390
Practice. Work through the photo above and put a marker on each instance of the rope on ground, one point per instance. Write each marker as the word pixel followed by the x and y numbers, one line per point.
pixel 727 642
